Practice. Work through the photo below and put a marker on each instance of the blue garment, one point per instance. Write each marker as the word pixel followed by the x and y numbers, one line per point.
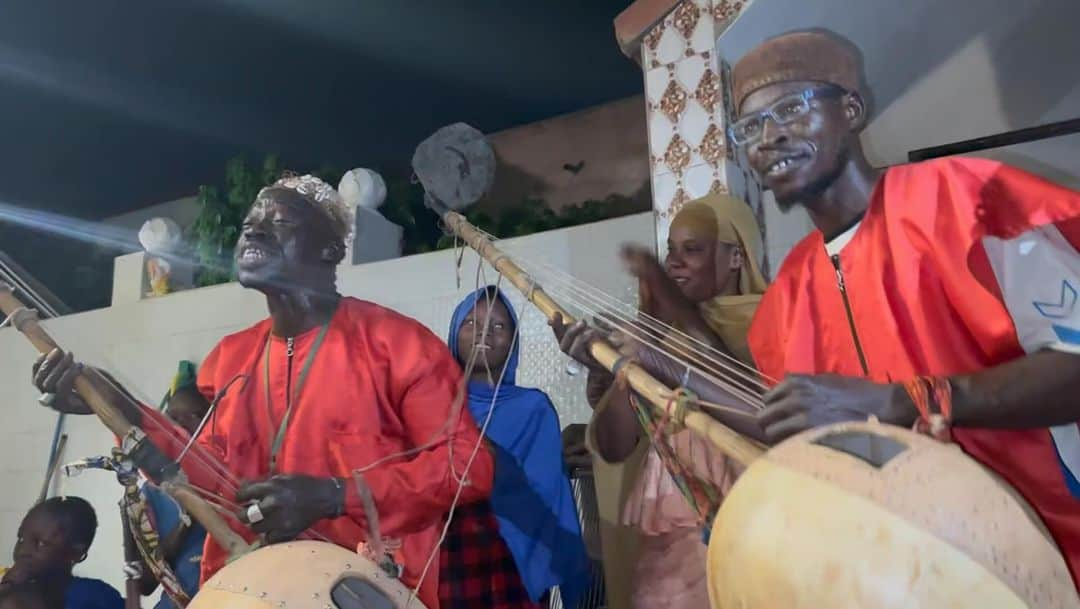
pixel 531 497
pixel 84 593
pixel 166 515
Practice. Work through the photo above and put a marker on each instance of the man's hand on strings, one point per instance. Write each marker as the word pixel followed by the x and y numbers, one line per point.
pixel 802 402
pixel 54 374
pixel 289 504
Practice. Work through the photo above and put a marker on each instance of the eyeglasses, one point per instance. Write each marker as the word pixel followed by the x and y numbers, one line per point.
pixel 748 129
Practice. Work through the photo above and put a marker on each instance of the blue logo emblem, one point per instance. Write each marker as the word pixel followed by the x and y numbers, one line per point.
pixel 1061 309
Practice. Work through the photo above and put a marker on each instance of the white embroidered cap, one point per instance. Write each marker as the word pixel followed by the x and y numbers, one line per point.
pixel 324 196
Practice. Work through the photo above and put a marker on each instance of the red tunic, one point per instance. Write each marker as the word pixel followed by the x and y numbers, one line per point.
pixel 381 383
pixel 926 300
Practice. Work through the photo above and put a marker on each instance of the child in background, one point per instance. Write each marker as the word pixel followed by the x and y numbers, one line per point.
pixel 55 535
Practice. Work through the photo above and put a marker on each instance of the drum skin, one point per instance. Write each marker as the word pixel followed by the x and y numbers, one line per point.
pixel 810 525
pixel 296 575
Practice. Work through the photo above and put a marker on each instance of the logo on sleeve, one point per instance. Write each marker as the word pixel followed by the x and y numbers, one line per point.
pixel 1061 309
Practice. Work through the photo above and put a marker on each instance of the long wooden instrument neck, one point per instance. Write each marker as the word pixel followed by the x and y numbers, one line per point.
pixel 734 445
pixel 86 385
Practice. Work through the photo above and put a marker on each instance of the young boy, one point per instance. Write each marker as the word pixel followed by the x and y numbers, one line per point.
pixel 55 535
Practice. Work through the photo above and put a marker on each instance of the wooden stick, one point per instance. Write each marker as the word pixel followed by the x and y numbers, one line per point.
pixel 54 464
pixel 204 514
pixel 732 444
pixel 25 321
pixel 132 589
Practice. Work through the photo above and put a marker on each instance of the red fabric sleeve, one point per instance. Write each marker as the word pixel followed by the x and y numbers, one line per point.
pixel 763 338
pixel 203 465
pixel 767 337
pixel 1070 229
pixel 415 492
pixel 1010 201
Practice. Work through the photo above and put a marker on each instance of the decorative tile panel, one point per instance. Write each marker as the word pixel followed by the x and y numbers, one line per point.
pixel 708 91
pixel 656 81
pixel 671 46
pixel 673 101
pixel 677 155
pixel 688 95
pixel 713 146
pixel 685 18
pixel 681 198
pixel 695 123
pixel 718 188
pixel 661 130
pixel 703 38
pixel 698 180
pixel 725 11
pixel 689 71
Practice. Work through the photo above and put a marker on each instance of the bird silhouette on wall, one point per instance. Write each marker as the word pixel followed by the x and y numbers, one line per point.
pixel 574 169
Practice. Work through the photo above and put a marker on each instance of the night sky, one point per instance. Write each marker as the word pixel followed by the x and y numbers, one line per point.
pixel 113 105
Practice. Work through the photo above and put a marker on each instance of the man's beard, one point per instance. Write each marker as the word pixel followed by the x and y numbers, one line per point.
pixel 815 189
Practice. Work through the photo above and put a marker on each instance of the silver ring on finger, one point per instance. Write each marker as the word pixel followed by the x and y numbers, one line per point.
pixel 254 514
pixel 46 399
pixel 573 368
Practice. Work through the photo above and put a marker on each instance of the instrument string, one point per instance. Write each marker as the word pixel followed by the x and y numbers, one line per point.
pixel 578 287
pixel 659 344
pixel 197 454
pixel 693 362
pixel 215 469
pixel 658 327
pixel 668 331
pixel 458 403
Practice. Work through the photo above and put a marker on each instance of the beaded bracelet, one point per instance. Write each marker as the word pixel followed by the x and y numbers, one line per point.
pixel 926 389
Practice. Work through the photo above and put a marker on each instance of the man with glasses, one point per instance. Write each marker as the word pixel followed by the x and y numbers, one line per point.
pixel 941 294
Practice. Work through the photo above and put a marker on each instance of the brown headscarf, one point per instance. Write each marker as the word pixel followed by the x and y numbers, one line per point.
pixel 732 221
pixel 809 55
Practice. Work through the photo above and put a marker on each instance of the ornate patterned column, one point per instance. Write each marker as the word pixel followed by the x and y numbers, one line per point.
pixel 687 90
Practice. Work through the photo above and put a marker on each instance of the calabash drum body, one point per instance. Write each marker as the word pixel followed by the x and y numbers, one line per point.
pixel 303 575
pixel 869 516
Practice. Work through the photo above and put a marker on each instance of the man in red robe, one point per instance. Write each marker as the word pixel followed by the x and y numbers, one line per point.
pixel 954 279
pixel 326 394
